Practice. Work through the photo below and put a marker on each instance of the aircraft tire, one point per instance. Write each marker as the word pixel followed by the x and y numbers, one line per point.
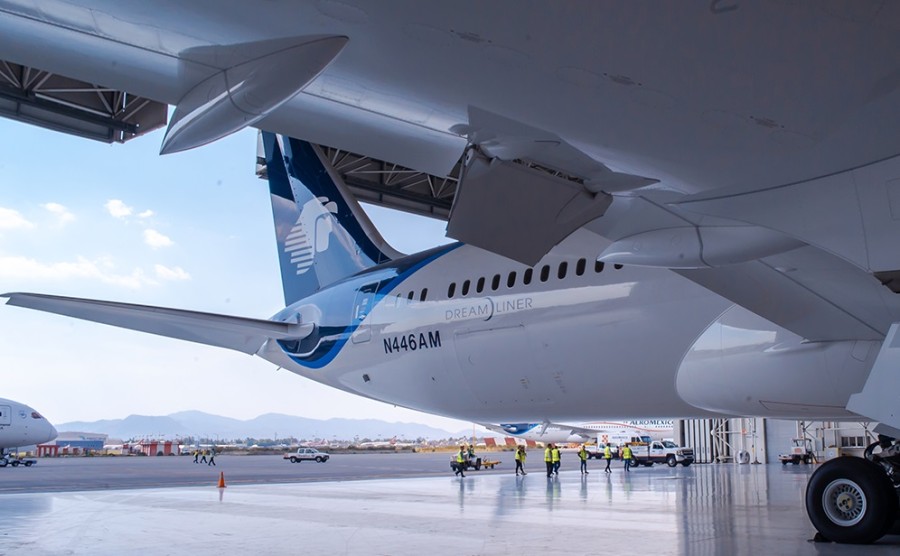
pixel 851 500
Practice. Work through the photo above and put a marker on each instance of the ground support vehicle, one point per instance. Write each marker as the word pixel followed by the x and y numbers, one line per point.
pixel 801 450
pixel 15 462
pixel 599 451
pixel 664 451
pixel 307 454
pixel 473 463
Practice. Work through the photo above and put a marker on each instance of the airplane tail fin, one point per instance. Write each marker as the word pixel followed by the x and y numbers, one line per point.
pixel 322 232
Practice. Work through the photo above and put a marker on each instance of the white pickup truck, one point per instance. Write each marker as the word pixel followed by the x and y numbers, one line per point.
pixel 306 454
pixel 661 451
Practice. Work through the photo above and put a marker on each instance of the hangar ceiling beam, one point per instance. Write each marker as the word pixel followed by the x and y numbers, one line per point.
pixel 387 184
pixel 76 107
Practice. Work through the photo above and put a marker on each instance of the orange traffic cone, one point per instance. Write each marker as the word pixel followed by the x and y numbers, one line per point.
pixel 221 479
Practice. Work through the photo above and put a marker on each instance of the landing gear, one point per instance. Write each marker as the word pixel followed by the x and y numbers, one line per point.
pixel 854 500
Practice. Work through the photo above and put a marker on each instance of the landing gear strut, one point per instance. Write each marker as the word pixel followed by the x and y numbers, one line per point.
pixel 855 500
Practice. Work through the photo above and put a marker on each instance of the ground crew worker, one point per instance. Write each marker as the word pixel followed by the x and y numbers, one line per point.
pixel 626 455
pixel 583 456
pixel 554 457
pixel 203 459
pixel 607 455
pixel 212 458
pixel 548 459
pixel 461 461
pixel 520 460
pixel 196 455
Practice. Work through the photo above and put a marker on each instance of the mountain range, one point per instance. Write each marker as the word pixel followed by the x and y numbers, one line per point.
pixel 270 425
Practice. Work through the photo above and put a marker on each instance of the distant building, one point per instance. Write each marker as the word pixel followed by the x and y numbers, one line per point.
pixel 73 444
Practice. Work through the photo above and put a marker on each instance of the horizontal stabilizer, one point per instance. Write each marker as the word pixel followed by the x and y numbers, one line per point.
pixel 237 333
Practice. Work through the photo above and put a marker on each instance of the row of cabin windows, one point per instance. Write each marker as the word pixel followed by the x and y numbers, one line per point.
pixel 411 296
pixel 527 277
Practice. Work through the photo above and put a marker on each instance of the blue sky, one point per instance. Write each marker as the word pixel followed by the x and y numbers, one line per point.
pixel 190 230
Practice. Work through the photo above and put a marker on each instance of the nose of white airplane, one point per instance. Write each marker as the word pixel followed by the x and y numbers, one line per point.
pixel 49 432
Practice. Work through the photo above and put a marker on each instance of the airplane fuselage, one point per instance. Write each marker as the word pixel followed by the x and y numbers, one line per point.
pixel 20 426
pixel 568 339
pixel 616 431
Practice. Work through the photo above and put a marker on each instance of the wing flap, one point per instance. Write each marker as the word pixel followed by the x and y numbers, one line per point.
pixel 807 291
pixel 238 333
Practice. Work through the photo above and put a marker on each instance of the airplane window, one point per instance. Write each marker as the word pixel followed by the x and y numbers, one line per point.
pixel 495 282
pixel 465 288
pixel 451 290
pixel 424 294
pixel 526 277
pixel 479 287
pixel 545 272
pixel 598 266
pixel 511 280
pixel 563 268
pixel 579 267
pixel 410 295
pixel 617 266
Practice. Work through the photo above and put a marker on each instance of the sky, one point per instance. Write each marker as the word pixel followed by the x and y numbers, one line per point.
pixel 191 230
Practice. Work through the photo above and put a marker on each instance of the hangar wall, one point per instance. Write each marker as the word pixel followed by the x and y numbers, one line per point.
pixel 758 440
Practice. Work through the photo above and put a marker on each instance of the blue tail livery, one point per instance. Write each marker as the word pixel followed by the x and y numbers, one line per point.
pixel 322 233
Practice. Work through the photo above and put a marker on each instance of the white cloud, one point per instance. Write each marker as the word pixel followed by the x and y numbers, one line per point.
pixel 146 214
pixel 118 209
pixel 29 269
pixel 11 219
pixel 61 212
pixel 155 239
pixel 166 273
